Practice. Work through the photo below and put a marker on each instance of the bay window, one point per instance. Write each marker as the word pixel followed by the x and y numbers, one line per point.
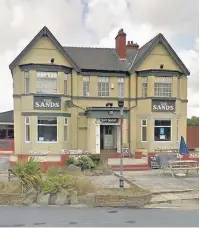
pixel 27 129
pixel 120 82
pixel 86 82
pixel 47 129
pixel 163 87
pixel 103 86
pixel 27 82
pixel 144 87
pixel 65 84
pixel 65 129
pixel 144 130
pixel 47 82
pixel 162 130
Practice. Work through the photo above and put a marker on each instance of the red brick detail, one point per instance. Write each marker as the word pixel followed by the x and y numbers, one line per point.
pixel 10 146
pixel 193 137
pixel 120 44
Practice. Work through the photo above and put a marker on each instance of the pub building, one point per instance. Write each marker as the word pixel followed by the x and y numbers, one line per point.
pixel 60 96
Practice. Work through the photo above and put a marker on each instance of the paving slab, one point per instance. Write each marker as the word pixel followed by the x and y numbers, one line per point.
pixel 156 182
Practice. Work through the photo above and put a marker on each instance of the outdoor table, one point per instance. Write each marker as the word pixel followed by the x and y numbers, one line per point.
pixel 181 165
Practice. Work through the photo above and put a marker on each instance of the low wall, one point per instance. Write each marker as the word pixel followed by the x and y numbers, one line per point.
pixel 116 200
pixel 45 161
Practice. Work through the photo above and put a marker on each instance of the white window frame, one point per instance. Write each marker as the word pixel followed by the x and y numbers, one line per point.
pixel 163 86
pixel 46 125
pixel 164 127
pixel 43 81
pixel 86 86
pixel 27 82
pixel 66 126
pixel 143 125
pixel 65 84
pixel 27 125
pixel 103 82
pixel 144 86
pixel 120 82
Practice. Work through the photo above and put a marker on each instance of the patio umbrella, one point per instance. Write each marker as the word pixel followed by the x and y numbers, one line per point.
pixel 183 150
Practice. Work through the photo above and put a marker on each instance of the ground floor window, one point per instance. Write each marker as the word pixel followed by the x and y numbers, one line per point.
pixel 162 130
pixel 47 129
pixel 6 132
pixel 144 130
pixel 27 129
pixel 65 129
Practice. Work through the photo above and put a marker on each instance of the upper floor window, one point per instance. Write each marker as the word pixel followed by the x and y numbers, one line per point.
pixel 103 86
pixel 65 84
pixel 163 87
pixel 47 82
pixel 144 86
pixel 120 82
pixel 27 82
pixel 86 82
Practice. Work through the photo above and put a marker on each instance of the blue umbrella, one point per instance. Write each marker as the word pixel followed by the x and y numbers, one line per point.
pixel 183 147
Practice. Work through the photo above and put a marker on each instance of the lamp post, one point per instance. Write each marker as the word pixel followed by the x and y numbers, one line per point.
pixel 121 176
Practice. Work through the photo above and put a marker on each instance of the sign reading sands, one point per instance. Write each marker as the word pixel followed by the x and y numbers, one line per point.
pixel 46 103
pixel 163 106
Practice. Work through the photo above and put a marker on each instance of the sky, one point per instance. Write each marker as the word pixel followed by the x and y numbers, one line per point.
pixel 95 23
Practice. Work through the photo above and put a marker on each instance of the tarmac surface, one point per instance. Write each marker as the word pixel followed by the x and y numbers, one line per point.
pixel 95 217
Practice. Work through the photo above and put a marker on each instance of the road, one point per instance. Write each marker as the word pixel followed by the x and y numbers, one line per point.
pixel 99 217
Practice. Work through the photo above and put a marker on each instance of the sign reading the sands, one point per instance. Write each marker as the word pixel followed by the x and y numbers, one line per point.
pixel 46 103
pixel 163 106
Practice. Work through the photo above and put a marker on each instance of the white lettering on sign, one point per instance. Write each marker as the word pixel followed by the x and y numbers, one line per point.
pixel 163 106
pixel 47 103
pixel 109 120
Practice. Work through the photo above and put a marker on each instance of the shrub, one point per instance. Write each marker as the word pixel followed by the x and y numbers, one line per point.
pixel 83 186
pixel 53 171
pixel 85 162
pixel 96 158
pixel 29 173
pixel 70 161
pixel 14 187
pixel 54 184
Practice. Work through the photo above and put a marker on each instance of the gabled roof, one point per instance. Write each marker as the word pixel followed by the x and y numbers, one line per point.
pixel 103 59
pixel 7 117
pixel 44 32
pixel 146 49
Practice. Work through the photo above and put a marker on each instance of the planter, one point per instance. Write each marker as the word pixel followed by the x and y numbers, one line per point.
pixel 138 154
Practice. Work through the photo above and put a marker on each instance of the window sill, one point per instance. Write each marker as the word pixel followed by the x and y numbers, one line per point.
pixel 162 141
pixel 47 142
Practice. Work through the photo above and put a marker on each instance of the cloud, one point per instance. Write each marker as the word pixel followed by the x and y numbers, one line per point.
pixel 96 23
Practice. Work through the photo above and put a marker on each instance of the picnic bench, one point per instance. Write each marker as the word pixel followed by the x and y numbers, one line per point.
pixel 181 165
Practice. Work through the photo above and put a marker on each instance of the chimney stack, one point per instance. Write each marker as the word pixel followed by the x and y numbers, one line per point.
pixel 120 44
pixel 131 45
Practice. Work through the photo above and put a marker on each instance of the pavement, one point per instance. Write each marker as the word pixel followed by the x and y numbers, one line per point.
pixel 95 217
pixel 157 182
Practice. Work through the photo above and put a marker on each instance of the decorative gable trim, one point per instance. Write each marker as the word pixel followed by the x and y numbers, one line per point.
pixel 44 32
pixel 157 40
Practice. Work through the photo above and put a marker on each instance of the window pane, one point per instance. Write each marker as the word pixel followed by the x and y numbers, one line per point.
pixel 162 133
pixel 144 134
pixel 65 87
pixel 27 133
pixel 47 120
pixel 162 122
pixel 65 133
pixel 46 82
pixel 47 133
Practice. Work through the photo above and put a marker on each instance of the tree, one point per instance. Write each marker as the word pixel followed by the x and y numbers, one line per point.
pixel 193 121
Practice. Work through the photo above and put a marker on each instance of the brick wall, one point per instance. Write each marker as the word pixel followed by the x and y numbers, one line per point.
pixel 193 137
